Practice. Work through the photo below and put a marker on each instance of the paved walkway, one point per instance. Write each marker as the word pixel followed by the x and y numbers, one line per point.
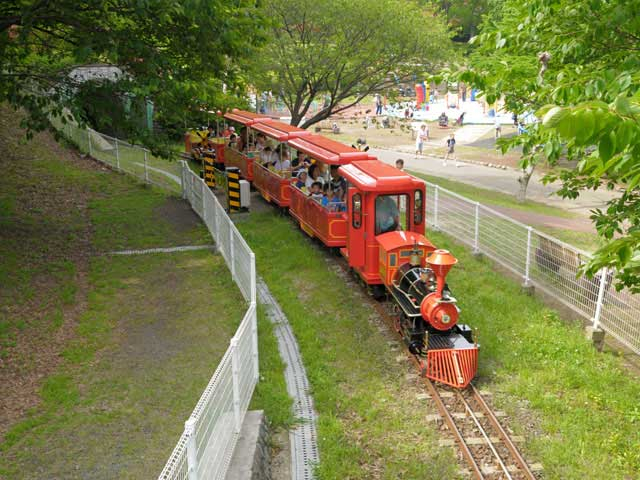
pixel 505 181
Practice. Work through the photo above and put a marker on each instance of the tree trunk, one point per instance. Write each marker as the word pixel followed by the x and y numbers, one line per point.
pixel 527 173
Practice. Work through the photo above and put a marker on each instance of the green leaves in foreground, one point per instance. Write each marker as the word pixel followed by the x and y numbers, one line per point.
pixel 583 84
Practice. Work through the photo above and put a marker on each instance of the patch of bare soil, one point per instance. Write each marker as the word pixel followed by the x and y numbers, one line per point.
pixel 179 214
pixel 48 226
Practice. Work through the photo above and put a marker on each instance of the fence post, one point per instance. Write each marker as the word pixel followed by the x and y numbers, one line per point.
pixel 476 233
pixel 192 448
pixel 89 139
pixel 254 340
pixel 235 376
pixel 601 289
pixel 202 188
pixel 232 255
pixel 183 178
pixel 117 155
pixel 436 196
pixel 146 171
pixel 527 263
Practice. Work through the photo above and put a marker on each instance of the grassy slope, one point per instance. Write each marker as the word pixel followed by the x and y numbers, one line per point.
pixel 578 408
pixel 141 351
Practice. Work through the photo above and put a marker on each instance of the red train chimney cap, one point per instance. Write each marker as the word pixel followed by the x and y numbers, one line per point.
pixel 441 261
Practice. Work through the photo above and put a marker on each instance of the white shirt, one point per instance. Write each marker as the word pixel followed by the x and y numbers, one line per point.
pixel 282 165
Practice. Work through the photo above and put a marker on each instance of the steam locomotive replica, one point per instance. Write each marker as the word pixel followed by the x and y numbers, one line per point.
pixel 380 233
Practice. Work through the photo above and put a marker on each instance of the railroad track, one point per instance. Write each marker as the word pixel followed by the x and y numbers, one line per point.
pixel 486 447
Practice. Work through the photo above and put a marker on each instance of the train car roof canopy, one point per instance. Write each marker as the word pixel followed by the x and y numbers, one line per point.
pixel 373 175
pixel 280 131
pixel 246 118
pixel 327 150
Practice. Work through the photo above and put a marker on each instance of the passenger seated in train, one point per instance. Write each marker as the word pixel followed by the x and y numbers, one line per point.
pixel 336 180
pixel 243 140
pixel 233 138
pixel 261 142
pixel 315 173
pixel 316 191
pixel 282 162
pixel 387 214
pixel 301 181
pixel 300 162
pixel 266 156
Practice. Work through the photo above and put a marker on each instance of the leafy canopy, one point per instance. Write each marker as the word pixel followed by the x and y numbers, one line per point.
pixel 576 63
pixel 339 51
pixel 167 48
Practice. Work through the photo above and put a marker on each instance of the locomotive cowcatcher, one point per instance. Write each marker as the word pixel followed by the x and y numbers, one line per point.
pixel 387 248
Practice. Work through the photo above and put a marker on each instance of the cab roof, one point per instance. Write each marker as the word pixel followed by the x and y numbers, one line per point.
pixel 327 150
pixel 373 175
pixel 246 118
pixel 280 131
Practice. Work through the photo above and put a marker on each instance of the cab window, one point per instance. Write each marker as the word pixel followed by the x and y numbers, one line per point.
pixel 391 213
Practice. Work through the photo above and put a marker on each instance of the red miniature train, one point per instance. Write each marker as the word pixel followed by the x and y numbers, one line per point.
pixel 380 233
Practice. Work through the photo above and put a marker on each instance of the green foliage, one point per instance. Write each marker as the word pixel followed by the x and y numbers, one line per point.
pixel 576 65
pixel 174 52
pixel 339 49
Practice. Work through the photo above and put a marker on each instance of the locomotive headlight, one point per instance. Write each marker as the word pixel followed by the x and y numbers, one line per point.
pixel 445 319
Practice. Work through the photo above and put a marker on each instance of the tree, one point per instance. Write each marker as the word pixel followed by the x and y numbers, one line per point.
pixel 161 45
pixel 577 64
pixel 345 50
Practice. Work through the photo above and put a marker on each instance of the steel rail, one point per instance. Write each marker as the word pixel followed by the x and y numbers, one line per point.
pixel 484 434
pixel 522 464
pixel 442 408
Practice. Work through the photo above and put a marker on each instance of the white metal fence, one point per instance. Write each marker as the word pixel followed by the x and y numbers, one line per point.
pixel 541 260
pixel 123 156
pixel 211 432
pixel 205 447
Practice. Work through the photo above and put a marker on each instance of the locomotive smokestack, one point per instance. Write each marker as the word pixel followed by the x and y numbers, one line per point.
pixel 441 262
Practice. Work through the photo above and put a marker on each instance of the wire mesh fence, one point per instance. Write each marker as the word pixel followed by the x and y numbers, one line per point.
pixel 539 259
pixel 205 448
pixel 123 156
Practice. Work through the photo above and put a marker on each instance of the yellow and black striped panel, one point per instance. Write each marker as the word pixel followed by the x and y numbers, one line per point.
pixel 233 189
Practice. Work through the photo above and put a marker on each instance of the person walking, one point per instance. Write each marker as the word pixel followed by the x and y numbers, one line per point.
pixel 378 104
pixel 498 127
pixel 451 150
pixel 421 136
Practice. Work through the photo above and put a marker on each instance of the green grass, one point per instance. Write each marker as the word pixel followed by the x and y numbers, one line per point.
pixel 491 197
pixel 141 358
pixel 370 423
pixel 549 377
pixel 583 240
pixel 148 330
pixel 576 407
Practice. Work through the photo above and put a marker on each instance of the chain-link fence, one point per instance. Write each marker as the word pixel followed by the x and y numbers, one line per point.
pixel 541 260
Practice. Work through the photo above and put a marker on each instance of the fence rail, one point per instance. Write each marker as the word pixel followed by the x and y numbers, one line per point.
pixel 204 450
pixel 205 447
pixel 540 260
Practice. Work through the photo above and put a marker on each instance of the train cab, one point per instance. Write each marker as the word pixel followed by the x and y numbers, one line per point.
pixel 242 159
pixel 380 199
pixel 326 222
pixel 272 171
